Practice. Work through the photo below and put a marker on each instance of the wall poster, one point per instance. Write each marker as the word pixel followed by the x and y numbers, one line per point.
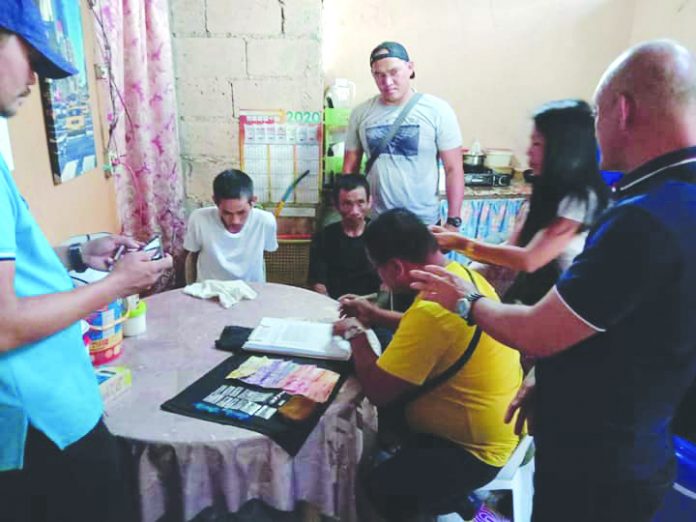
pixel 67 109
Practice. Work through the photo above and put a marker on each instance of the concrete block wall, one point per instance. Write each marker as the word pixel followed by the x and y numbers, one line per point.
pixel 238 54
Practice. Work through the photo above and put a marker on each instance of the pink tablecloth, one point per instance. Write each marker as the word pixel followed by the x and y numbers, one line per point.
pixel 179 465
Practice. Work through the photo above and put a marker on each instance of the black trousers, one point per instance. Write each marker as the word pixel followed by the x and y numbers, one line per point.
pixel 429 475
pixel 82 483
pixel 581 498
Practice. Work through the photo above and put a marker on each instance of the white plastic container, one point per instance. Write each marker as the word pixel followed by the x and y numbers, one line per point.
pixel 133 301
pixel 498 158
pixel 340 94
pixel 136 323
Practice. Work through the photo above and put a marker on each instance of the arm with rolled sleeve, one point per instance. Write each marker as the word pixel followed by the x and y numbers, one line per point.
pixel 28 318
pixel 626 259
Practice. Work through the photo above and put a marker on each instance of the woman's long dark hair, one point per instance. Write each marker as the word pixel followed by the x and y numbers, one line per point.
pixel 569 166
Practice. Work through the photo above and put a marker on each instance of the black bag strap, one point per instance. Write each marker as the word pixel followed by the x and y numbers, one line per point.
pixel 449 372
pixel 392 131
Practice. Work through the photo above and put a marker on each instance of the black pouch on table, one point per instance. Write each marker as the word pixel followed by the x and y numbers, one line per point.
pixel 232 338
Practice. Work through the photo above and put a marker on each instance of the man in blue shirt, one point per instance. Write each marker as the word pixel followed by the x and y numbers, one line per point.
pixel 616 337
pixel 58 461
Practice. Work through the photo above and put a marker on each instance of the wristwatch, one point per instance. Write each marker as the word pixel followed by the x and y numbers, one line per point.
pixel 455 221
pixel 464 306
pixel 75 258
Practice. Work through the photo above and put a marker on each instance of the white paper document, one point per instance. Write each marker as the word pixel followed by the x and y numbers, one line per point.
pixel 299 338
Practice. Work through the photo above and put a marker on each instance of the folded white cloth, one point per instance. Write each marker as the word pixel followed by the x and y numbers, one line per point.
pixel 229 292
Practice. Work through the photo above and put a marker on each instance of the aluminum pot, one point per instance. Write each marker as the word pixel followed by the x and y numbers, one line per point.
pixel 474 160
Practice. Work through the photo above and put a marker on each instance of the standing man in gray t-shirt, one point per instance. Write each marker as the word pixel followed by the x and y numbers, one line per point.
pixel 406 173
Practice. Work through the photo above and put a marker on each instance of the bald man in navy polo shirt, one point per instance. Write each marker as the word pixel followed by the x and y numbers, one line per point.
pixel 616 337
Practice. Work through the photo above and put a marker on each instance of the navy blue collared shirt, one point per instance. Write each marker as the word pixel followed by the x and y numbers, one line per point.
pixel 605 404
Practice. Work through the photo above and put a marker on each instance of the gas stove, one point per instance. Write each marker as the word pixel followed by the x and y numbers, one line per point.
pixel 485 177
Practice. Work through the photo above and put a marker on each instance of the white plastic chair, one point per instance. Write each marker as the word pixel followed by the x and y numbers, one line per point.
pixel 513 477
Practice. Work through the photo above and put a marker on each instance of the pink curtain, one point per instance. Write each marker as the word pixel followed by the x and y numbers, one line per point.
pixel 135 44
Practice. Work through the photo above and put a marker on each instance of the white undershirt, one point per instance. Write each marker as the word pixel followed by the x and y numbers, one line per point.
pixel 581 211
pixel 224 255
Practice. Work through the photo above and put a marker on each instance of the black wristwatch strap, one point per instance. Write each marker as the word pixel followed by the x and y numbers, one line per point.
pixel 75 258
pixel 454 221
pixel 472 298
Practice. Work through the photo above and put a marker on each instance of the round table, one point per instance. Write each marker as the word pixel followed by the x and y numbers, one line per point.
pixel 178 466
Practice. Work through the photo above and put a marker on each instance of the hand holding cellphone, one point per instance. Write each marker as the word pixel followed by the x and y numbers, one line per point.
pixel 154 247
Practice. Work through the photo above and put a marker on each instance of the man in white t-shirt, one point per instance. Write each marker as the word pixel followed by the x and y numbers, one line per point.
pixel 227 241
pixel 406 173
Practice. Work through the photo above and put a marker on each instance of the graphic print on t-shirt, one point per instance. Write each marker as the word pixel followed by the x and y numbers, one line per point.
pixel 404 143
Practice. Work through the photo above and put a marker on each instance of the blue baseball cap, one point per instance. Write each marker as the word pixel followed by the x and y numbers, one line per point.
pixel 22 17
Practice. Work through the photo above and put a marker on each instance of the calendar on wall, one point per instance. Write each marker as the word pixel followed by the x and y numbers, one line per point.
pixel 276 147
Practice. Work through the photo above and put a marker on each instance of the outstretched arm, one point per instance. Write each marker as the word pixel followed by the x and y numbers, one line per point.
pixel 27 319
pixel 509 324
pixel 544 247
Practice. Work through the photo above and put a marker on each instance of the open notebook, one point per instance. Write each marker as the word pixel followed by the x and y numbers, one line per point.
pixel 299 338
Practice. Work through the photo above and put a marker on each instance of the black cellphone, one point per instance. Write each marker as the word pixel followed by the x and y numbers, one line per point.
pixel 154 247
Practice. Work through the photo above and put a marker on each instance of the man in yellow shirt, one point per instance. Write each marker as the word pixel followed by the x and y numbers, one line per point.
pixel 459 440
